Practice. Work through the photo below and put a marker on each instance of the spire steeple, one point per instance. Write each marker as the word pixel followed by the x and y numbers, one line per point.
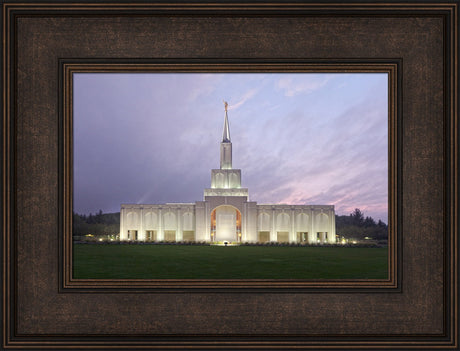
pixel 226 181
pixel 226 144
pixel 226 134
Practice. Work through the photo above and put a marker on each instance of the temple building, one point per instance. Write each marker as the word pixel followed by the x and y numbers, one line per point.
pixel 227 215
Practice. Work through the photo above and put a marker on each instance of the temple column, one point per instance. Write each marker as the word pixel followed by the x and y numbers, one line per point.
pixel 123 235
pixel 311 232
pixel 292 234
pixel 332 239
pixel 273 231
pixel 244 219
pixel 207 219
pixel 161 234
pixel 141 233
pixel 179 235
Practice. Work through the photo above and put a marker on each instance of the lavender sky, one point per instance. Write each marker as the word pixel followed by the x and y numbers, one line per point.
pixel 298 138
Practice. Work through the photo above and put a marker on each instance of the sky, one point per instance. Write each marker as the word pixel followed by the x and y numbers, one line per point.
pixel 301 138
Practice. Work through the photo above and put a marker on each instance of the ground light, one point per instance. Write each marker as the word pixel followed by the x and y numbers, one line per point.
pixel 225 243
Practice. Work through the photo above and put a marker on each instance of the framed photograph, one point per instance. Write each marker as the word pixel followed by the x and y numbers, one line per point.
pixel 301 220
pixel 72 146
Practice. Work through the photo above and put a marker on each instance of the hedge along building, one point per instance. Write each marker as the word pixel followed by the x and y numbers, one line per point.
pixel 226 214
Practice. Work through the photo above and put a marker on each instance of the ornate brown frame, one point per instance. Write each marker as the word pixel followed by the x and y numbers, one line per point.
pixel 416 43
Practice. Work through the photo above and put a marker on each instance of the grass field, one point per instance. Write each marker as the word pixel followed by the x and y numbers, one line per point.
pixel 218 262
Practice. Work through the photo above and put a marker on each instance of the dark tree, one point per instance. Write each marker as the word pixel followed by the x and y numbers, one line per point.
pixel 369 222
pixel 357 217
pixel 99 224
pixel 357 226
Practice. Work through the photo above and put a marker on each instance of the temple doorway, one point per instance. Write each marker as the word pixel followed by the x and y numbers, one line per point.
pixel 225 224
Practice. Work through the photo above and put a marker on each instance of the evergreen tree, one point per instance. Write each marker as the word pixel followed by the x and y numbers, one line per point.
pixel 97 225
pixel 357 226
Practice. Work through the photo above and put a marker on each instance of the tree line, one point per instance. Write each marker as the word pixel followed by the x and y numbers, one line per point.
pixel 357 226
pixel 99 224
pixel 352 226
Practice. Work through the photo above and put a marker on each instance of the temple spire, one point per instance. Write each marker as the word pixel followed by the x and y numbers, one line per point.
pixel 226 145
pixel 226 134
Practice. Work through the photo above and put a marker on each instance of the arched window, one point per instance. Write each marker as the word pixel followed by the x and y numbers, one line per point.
pixel 264 222
pixel 169 219
pixel 322 222
pixel 282 222
pixel 187 221
pixel 150 220
pixel 302 222
pixel 132 219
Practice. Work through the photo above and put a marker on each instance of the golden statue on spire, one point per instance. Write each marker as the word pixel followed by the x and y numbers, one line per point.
pixel 226 105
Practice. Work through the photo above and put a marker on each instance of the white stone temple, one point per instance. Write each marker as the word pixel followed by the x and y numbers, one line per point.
pixel 227 215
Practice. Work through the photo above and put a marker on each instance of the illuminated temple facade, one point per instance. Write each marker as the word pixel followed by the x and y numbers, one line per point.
pixel 227 215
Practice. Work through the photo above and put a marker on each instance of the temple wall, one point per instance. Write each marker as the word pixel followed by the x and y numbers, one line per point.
pixel 296 220
pixel 291 223
pixel 158 219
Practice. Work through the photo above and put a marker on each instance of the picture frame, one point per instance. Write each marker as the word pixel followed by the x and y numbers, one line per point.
pixel 43 308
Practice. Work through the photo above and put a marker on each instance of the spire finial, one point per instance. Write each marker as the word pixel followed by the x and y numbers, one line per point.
pixel 226 105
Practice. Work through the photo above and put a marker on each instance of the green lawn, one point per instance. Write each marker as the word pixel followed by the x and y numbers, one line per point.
pixel 218 262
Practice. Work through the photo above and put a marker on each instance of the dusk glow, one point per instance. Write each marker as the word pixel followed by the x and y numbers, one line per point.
pixel 319 139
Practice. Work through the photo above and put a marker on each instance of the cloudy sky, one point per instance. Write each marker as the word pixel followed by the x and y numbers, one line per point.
pixel 298 138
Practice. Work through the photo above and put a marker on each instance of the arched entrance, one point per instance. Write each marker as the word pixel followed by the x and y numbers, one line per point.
pixel 226 224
